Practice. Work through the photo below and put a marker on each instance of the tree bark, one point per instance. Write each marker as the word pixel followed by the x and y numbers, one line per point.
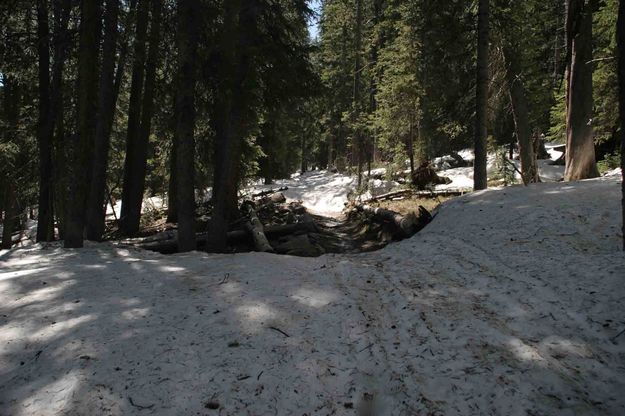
pixel 45 217
pixel 303 164
pixel 96 210
pixel 169 243
pixel 184 147
pixel 11 101
pixel 172 189
pixel 231 117
pixel 410 146
pixel 480 180
pixel 61 37
pixel 131 203
pixel 256 229
pixel 356 94
pixel 520 112
pixel 82 149
pixel 405 224
pixel 620 40
pixel 580 147
pixel 10 214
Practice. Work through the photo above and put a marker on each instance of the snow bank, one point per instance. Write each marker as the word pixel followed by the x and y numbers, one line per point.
pixel 508 303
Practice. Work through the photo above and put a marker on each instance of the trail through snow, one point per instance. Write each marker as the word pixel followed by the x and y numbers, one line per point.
pixel 507 304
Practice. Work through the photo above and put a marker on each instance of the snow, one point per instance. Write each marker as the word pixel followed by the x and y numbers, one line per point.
pixel 508 303
pixel 462 178
pixel 554 154
pixel 149 204
pixel 321 191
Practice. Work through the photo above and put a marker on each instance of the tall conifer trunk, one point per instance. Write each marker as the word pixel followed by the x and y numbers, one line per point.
pixel 620 36
pixel 61 39
pixel 172 187
pixel 481 96
pixel 81 155
pixel 184 148
pixel 580 147
pixel 45 217
pixel 232 115
pixel 358 145
pixel 520 112
pixel 106 111
pixel 11 98
pixel 131 200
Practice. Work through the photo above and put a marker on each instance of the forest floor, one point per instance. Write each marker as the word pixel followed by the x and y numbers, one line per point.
pixel 510 303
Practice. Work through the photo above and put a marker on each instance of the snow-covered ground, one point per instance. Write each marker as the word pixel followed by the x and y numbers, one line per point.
pixel 149 204
pixel 507 304
pixel 321 191
pixel 462 178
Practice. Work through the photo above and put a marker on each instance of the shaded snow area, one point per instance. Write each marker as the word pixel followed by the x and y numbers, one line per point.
pixel 321 192
pixel 507 304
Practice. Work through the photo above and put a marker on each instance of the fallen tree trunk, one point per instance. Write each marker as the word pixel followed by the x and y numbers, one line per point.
pixel 256 229
pixel 420 194
pixel 269 192
pixel 405 224
pixel 426 175
pixel 168 242
pixel 390 195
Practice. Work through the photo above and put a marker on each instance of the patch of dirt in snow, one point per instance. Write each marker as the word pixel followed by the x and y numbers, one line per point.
pixel 506 304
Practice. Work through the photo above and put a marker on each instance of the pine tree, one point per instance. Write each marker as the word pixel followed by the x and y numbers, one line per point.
pixel 481 96
pixel 132 192
pixel 184 154
pixel 106 111
pixel 81 151
pixel 45 220
pixel 580 148
pixel 620 34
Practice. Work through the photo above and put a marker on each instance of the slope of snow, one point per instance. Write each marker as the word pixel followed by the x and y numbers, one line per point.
pixel 508 303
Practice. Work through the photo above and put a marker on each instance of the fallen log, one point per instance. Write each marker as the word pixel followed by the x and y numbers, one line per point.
pixel 419 194
pixel 275 198
pixel 284 229
pixel 390 195
pixel 405 224
pixel 269 192
pixel 256 229
pixel 425 175
pixel 168 243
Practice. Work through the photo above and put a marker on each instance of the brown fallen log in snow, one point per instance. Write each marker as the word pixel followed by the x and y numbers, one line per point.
pixel 406 224
pixel 407 193
pixel 390 195
pixel 269 192
pixel 256 229
pixel 440 192
pixel 168 243
pixel 425 175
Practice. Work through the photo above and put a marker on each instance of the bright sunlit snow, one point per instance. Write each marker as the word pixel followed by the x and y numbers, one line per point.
pixel 321 191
